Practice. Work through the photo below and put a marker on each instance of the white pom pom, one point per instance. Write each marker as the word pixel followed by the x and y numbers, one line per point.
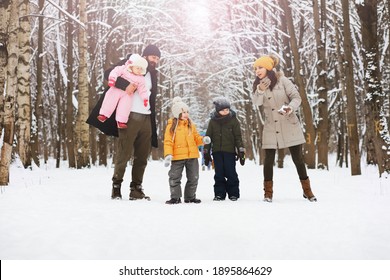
pixel 176 99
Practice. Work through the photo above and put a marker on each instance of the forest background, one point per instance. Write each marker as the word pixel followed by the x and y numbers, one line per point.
pixel 53 54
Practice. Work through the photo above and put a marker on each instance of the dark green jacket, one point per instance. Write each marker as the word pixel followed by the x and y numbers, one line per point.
pixel 225 133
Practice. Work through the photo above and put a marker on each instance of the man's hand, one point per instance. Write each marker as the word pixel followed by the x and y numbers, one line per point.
pixel 131 89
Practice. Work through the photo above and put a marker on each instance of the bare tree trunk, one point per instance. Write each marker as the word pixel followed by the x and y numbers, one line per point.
pixel 69 138
pixel 11 91
pixel 341 111
pixel 322 87
pixel 351 101
pixel 58 139
pixel 4 12
pixel 35 147
pixel 376 119
pixel 82 129
pixel 309 127
pixel 24 96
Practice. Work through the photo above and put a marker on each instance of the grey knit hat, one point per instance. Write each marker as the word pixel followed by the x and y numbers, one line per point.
pixel 221 103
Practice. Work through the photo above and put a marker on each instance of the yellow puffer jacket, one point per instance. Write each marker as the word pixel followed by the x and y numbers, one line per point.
pixel 185 143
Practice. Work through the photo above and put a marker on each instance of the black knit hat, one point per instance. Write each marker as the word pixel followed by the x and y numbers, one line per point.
pixel 221 103
pixel 151 50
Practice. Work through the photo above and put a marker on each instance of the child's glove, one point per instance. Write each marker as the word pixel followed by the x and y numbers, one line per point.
pixel 285 110
pixel 241 155
pixel 111 82
pixel 146 102
pixel 167 160
pixel 264 84
pixel 206 140
pixel 207 158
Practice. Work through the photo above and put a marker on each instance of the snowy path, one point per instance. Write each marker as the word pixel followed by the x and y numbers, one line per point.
pixel 68 214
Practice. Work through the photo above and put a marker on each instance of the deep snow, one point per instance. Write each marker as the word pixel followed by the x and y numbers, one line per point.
pixel 64 214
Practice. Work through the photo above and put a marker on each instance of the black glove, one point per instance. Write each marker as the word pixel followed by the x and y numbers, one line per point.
pixel 207 158
pixel 241 156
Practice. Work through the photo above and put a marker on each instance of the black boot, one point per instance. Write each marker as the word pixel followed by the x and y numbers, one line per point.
pixel 116 191
pixel 136 192
pixel 194 200
pixel 173 201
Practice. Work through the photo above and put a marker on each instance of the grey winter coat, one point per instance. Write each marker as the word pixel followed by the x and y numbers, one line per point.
pixel 280 131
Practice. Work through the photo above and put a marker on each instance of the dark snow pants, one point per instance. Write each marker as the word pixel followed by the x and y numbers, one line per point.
pixel 226 177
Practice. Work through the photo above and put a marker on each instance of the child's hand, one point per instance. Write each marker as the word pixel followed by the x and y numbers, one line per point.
pixel 206 140
pixel 207 159
pixel 167 160
pixel 241 155
pixel 146 102
pixel 131 89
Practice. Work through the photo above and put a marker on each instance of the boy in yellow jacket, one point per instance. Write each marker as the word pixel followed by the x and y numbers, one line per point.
pixel 181 141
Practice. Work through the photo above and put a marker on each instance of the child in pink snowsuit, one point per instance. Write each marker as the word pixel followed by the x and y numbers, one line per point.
pixel 133 71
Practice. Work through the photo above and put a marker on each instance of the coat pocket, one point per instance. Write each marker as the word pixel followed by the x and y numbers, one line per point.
pixel 293 119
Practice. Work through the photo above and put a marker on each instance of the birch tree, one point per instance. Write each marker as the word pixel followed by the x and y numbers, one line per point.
pixel 4 12
pixel 82 128
pixel 10 93
pixel 24 95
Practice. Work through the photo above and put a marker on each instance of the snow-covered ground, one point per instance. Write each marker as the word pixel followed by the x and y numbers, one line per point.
pixel 62 214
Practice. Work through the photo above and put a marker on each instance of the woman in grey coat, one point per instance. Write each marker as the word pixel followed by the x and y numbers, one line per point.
pixel 282 128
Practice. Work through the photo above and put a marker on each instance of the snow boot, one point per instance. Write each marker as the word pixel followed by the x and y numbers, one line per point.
pixel 307 193
pixel 218 198
pixel 268 191
pixel 102 118
pixel 116 191
pixel 136 192
pixel 173 201
pixel 194 200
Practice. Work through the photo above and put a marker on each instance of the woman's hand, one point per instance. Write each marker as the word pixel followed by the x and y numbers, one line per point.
pixel 264 84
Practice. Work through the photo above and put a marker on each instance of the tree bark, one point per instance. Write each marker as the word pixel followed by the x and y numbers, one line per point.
pixel 10 94
pixel 309 127
pixel 4 12
pixel 82 128
pixel 24 95
pixel 319 16
pixel 377 128
pixel 351 101
pixel 69 138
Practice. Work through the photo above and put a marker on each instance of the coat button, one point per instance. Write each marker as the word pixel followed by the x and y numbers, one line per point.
pixel 273 109
pixel 277 131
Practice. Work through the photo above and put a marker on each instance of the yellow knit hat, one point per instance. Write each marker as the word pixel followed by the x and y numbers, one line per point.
pixel 266 62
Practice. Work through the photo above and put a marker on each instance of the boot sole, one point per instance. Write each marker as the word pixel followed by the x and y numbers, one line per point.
pixel 143 198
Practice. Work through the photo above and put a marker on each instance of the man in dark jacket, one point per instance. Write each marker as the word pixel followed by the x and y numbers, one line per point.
pixel 141 130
